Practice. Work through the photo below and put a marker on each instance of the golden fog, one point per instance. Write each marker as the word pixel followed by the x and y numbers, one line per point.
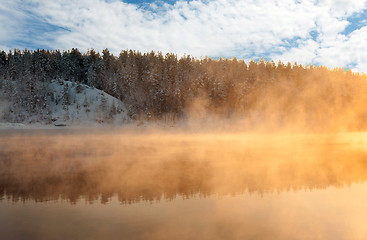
pixel 151 164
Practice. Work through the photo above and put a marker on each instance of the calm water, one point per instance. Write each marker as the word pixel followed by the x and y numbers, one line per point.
pixel 62 184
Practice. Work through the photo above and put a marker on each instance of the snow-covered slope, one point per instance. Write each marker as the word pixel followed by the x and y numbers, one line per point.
pixel 77 104
pixel 85 105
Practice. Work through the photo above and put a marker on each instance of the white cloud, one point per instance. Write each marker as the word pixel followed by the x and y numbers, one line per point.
pixel 343 8
pixel 11 19
pixel 304 53
pixel 218 27
pixel 278 29
pixel 346 51
pixel 331 47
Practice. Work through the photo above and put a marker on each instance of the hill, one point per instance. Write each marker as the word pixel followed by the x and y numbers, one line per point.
pixel 68 103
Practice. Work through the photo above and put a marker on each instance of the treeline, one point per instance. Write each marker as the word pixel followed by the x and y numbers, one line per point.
pixel 153 85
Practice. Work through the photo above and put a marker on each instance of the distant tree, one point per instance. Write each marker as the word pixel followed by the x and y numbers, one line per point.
pixel 66 96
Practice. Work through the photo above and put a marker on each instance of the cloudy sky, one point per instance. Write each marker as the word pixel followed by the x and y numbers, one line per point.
pixel 322 32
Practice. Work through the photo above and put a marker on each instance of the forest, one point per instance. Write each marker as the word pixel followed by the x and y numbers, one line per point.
pixel 154 86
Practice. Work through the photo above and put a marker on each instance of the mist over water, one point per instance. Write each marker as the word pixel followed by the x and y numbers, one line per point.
pixel 182 184
pixel 151 165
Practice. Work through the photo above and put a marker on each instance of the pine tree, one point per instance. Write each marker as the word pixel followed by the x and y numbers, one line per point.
pixel 66 97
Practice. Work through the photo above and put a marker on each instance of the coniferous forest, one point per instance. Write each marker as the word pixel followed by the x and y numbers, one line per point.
pixel 154 86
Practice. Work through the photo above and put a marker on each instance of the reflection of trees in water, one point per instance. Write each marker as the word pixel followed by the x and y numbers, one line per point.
pixel 55 167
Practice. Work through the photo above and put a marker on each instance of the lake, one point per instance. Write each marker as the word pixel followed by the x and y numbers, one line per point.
pixel 125 184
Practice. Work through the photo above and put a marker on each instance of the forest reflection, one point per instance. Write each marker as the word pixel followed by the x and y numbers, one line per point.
pixel 150 166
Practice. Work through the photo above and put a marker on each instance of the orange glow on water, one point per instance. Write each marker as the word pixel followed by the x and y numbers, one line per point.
pixel 168 184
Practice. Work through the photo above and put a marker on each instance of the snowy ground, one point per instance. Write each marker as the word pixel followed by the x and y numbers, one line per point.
pixel 84 107
pixel 88 106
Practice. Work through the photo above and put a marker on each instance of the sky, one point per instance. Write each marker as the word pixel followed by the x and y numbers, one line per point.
pixel 332 33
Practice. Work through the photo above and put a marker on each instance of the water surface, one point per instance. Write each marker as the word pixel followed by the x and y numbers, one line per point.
pixel 58 184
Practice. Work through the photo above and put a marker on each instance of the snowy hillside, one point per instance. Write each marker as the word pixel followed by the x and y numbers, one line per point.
pixel 73 104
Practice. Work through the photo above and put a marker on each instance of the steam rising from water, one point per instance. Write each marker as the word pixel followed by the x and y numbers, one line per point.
pixel 297 99
pixel 151 165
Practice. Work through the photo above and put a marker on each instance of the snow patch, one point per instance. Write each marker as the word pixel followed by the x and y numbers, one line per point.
pixel 73 104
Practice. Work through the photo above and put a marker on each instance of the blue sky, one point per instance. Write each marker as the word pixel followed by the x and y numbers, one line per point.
pixel 320 32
